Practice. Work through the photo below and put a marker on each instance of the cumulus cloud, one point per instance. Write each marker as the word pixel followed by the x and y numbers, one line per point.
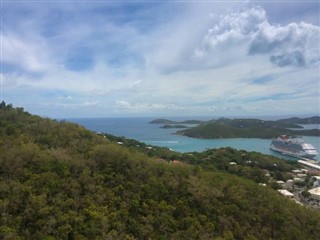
pixel 229 35
pixel 293 44
pixel 248 32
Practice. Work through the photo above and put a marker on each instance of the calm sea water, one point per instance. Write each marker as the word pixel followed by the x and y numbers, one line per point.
pixel 141 130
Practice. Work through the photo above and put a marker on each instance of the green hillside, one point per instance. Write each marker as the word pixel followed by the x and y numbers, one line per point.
pixel 246 128
pixel 61 181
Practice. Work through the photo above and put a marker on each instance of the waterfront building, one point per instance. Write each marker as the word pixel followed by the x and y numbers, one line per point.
pixel 311 167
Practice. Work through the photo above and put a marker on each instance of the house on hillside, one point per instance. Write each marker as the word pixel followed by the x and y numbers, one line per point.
pixel 315 193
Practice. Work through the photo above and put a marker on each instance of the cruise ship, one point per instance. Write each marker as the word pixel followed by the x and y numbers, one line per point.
pixel 295 147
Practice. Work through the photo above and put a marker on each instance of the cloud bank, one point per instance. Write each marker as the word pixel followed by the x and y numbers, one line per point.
pixel 294 44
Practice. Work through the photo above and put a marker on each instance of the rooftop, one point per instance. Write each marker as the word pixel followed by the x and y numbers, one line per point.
pixel 309 164
pixel 285 193
pixel 315 191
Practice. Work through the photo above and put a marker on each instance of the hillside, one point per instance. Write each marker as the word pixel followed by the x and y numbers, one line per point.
pixel 246 128
pixel 61 181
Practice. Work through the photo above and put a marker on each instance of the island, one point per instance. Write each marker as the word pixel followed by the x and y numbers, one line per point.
pixel 167 121
pixel 174 126
pixel 246 128
pixel 243 127
pixel 296 120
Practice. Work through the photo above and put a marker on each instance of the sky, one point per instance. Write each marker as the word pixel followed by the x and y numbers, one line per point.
pixel 64 59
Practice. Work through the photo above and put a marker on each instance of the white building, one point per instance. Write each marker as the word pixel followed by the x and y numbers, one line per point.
pixel 286 193
pixel 296 179
pixel 281 183
pixel 311 167
pixel 315 193
pixel 301 175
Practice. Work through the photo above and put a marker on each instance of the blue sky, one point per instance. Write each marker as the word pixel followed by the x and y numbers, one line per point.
pixel 161 58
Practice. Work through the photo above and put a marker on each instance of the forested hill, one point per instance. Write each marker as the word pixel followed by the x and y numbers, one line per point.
pixel 61 181
pixel 247 128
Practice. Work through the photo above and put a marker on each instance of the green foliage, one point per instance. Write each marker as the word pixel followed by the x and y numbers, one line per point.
pixel 60 181
pixel 248 165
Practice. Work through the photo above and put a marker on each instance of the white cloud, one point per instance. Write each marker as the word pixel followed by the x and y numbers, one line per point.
pixel 28 55
pixel 76 105
pixel 293 44
pixel 248 31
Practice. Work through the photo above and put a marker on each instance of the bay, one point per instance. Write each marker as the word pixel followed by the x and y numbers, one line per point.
pixel 140 129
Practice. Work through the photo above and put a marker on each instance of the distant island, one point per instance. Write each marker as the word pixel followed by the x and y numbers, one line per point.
pixel 296 120
pixel 166 121
pixel 246 128
pixel 174 126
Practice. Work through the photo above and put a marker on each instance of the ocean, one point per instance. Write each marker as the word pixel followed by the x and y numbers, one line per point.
pixel 140 129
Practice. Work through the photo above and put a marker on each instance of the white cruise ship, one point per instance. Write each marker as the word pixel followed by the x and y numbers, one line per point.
pixel 295 147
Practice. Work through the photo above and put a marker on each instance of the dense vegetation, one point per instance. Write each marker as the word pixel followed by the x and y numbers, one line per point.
pixel 246 128
pixel 61 181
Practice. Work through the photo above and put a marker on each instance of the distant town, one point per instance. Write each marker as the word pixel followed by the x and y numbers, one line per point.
pixel 304 184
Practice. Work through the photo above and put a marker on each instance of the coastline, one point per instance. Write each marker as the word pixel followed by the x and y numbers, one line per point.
pixel 140 129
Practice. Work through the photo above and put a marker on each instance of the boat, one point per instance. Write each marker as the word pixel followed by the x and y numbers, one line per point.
pixel 294 147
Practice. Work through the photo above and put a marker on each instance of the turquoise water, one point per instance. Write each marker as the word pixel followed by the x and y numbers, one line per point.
pixel 141 130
